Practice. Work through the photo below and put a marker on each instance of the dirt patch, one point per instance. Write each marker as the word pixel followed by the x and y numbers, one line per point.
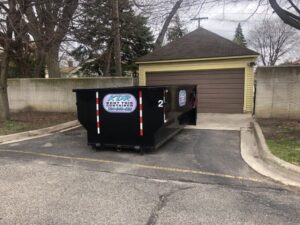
pixel 283 138
pixel 31 120
pixel 43 117
pixel 278 128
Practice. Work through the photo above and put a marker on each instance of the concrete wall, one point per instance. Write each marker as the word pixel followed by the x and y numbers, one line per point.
pixel 278 92
pixel 54 95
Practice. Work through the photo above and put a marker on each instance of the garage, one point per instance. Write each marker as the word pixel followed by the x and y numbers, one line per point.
pixel 222 70
pixel 219 91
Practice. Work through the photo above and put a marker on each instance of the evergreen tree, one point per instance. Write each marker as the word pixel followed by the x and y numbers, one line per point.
pixel 177 30
pixel 239 36
pixel 94 32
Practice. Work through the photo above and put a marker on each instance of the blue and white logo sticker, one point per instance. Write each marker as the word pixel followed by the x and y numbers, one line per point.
pixel 119 103
pixel 182 98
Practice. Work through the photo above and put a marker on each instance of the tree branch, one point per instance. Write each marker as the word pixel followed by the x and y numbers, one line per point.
pixel 2 5
pixel 163 31
pixel 285 15
pixel 294 6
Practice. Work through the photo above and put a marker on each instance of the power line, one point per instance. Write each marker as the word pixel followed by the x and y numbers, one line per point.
pixel 199 20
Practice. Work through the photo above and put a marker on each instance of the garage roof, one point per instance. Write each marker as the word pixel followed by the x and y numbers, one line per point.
pixel 198 44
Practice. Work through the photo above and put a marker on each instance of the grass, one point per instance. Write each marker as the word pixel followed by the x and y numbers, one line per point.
pixel 283 138
pixel 10 127
pixel 31 120
pixel 288 150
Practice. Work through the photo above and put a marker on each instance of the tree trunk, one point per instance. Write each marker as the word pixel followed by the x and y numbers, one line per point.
pixel 108 61
pixel 24 67
pixel 4 106
pixel 39 64
pixel 52 62
pixel 117 38
pixel 162 33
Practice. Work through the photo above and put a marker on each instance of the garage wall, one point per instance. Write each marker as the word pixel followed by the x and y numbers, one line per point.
pixel 206 64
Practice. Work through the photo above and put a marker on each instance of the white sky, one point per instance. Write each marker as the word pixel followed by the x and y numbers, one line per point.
pixel 224 21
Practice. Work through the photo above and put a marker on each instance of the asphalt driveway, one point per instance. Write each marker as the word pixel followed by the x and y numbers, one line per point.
pixel 198 177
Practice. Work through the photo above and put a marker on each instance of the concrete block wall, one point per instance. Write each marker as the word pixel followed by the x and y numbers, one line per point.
pixel 278 92
pixel 55 95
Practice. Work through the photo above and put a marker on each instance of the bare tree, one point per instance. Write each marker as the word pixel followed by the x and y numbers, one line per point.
pixel 12 36
pixel 162 11
pixel 48 22
pixel 116 37
pixel 273 40
pixel 167 22
pixel 288 11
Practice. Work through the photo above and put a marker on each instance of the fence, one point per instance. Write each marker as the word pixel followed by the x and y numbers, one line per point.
pixel 55 95
pixel 278 92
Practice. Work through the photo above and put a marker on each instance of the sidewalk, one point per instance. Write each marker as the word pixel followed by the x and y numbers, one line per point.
pixel 222 121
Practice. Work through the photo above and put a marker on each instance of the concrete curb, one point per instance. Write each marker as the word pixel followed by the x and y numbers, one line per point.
pixel 36 133
pixel 256 154
pixel 266 153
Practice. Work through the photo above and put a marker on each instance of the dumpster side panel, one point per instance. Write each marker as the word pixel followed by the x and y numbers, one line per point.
pixel 135 117
pixel 180 109
pixel 119 117
pixel 153 114
pixel 86 109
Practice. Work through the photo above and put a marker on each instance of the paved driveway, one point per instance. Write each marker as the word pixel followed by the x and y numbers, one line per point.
pixel 196 178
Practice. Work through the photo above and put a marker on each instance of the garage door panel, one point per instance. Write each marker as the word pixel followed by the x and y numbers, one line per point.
pixel 219 96
pixel 222 81
pixel 212 110
pixel 202 77
pixel 219 86
pixel 227 72
pixel 174 82
pixel 220 101
pixel 219 91
pixel 204 109
pixel 220 105
pixel 218 82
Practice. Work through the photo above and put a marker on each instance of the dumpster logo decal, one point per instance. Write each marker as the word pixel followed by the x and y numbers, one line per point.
pixel 182 98
pixel 119 103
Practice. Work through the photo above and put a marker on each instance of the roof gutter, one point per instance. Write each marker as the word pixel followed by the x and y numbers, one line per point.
pixel 200 59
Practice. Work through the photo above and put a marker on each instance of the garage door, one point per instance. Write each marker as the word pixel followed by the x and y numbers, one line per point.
pixel 219 91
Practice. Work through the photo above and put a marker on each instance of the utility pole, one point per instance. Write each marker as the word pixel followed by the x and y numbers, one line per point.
pixel 117 37
pixel 199 20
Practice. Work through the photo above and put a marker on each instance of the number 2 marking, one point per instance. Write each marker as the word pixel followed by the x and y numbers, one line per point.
pixel 160 103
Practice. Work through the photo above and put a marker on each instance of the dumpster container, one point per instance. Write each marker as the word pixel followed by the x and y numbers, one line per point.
pixel 135 117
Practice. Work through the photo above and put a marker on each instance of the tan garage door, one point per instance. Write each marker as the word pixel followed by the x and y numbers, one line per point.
pixel 219 91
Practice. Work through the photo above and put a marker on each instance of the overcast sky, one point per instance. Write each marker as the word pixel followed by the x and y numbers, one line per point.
pixel 224 20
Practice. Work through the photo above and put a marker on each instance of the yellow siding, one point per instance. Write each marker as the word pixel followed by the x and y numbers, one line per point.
pixel 208 64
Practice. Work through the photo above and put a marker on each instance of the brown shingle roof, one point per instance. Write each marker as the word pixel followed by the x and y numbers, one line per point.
pixel 198 44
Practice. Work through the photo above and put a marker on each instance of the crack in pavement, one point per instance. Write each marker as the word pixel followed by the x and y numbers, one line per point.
pixel 162 202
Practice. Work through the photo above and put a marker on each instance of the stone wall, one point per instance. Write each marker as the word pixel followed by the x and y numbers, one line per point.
pixel 55 95
pixel 278 92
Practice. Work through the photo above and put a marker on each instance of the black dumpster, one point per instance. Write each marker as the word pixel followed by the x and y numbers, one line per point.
pixel 135 117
